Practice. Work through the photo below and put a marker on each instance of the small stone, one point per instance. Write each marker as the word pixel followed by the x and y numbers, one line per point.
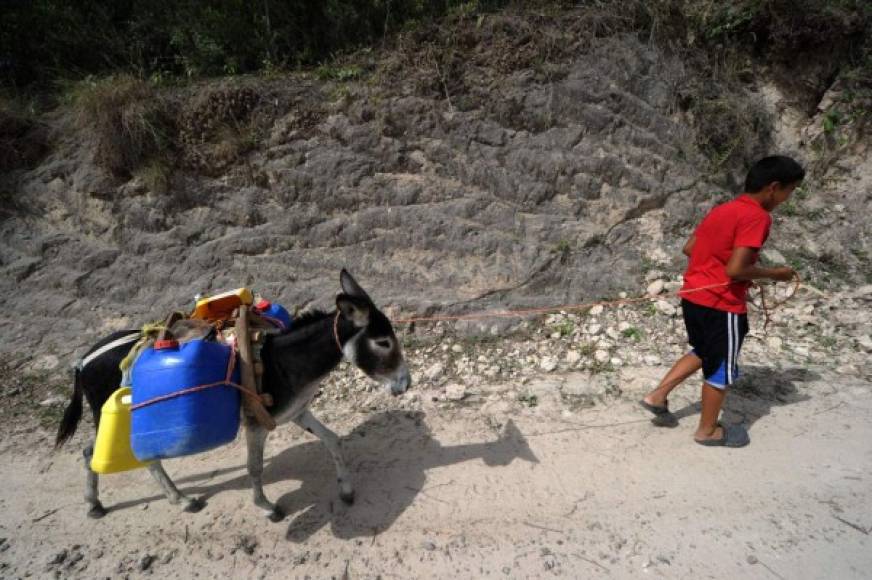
pixel 601 356
pixel 57 558
pixel 616 362
pixel 428 545
pixel 752 559
pixel 548 364
pixel 594 329
pixel 664 307
pixel 455 392
pixel 652 360
pixel 456 348
pixel 656 287
pixel 596 310
pixel 145 562
pixel 865 342
pixel 435 371
pixel 572 357
pixel 775 343
pixel 51 401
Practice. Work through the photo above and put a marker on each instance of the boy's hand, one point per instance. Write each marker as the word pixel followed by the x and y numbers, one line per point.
pixel 783 274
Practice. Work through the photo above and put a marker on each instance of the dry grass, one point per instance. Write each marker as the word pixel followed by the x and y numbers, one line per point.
pixel 131 124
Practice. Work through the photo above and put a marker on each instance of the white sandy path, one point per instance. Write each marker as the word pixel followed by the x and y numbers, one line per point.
pixel 441 494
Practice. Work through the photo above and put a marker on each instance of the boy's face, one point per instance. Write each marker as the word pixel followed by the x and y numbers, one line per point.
pixel 777 193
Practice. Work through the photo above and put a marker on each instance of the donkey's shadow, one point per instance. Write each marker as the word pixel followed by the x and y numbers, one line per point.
pixel 387 456
pixel 757 391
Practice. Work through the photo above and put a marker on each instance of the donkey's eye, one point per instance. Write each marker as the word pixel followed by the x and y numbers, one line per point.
pixel 383 343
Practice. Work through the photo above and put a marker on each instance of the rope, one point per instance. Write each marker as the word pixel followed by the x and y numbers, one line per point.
pixel 231 365
pixel 768 309
pixel 586 305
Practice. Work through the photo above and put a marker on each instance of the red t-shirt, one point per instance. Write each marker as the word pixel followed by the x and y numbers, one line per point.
pixel 741 222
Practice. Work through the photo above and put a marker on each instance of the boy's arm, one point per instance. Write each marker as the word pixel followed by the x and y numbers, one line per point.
pixel 688 247
pixel 741 267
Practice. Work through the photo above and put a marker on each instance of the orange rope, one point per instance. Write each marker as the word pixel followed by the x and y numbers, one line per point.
pixel 583 306
pixel 231 364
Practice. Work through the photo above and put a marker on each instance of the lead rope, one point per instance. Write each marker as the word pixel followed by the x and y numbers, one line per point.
pixel 768 308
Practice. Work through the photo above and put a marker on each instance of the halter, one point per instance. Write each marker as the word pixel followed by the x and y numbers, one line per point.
pixel 336 331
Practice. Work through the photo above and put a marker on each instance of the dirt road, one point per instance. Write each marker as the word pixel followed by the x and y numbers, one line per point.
pixel 462 491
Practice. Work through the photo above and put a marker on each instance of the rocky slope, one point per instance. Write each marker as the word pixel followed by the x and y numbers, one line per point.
pixel 515 167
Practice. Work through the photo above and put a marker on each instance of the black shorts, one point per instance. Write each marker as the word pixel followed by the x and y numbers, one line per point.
pixel 716 337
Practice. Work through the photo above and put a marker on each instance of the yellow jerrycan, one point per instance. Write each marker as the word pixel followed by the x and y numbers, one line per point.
pixel 221 306
pixel 112 452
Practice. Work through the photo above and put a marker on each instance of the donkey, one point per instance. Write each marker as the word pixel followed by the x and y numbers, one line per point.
pixel 294 365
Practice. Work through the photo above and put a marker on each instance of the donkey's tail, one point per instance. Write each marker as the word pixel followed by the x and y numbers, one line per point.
pixel 73 412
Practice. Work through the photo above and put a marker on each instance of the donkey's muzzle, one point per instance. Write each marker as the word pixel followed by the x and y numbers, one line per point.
pixel 401 384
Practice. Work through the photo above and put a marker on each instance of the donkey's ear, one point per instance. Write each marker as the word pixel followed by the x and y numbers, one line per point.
pixel 354 309
pixel 351 287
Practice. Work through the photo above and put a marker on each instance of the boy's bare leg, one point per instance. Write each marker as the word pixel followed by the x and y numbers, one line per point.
pixel 712 401
pixel 683 368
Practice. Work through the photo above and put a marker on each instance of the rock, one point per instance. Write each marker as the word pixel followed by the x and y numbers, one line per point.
pixel 572 357
pixel 428 545
pixel 800 350
pixel 51 401
pixel 145 562
pixel 865 342
pixel 601 356
pixel 752 559
pixel 615 361
pixel 624 325
pixel 664 307
pixel 455 392
pixel 58 557
pixel 775 343
pixel 594 329
pixel 596 310
pixel 456 348
pixel 548 364
pixel 652 360
pixel 435 371
pixel 655 287
pixel 773 256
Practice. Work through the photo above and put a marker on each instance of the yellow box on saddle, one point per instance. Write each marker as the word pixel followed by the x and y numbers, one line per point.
pixel 221 306
pixel 112 452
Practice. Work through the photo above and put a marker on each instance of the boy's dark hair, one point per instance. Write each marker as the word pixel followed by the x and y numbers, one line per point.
pixel 778 168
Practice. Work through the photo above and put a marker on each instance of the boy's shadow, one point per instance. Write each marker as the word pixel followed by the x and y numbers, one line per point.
pixel 757 390
pixel 387 457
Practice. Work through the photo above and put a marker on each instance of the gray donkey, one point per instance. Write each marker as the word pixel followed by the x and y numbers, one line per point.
pixel 294 364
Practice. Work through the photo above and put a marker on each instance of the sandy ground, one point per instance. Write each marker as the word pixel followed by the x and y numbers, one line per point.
pixel 454 492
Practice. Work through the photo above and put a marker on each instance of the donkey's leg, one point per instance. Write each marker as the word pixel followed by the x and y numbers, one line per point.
pixel 192 505
pixel 255 438
pixel 92 492
pixel 308 422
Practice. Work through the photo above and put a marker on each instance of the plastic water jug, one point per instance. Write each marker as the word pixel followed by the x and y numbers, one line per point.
pixel 275 314
pixel 192 422
pixel 221 306
pixel 112 452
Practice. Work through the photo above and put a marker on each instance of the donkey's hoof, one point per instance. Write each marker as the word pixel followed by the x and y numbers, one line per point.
pixel 347 496
pixel 194 505
pixel 276 515
pixel 97 511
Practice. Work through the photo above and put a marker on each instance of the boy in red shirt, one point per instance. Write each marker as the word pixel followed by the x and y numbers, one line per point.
pixel 723 250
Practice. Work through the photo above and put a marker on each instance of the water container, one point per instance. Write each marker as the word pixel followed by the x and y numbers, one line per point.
pixel 112 452
pixel 275 314
pixel 221 306
pixel 187 423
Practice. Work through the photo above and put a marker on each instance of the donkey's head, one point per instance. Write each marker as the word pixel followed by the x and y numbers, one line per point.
pixel 374 349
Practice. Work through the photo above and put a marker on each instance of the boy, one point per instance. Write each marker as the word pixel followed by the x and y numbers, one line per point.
pixel 723 250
